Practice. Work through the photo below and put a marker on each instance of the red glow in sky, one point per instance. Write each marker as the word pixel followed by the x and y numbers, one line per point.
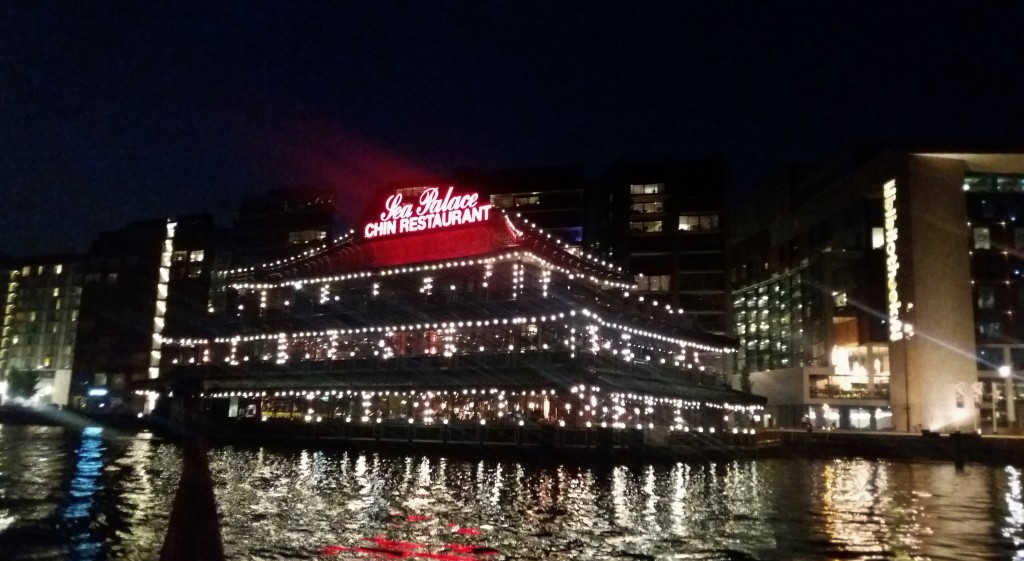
pixel 353 167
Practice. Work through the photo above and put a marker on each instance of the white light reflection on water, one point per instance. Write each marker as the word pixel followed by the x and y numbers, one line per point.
pixel 1014 529
pixel 280 504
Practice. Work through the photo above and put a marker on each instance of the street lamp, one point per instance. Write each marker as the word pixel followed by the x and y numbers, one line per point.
pixel 1004 371
pixel 908 332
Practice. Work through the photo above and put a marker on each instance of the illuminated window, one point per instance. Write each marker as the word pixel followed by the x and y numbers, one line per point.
pixel 304 236
pixel 990 329
pixel 982 239
pixel 196 256
pixel 648 208
pixel 57 269
pixel 840 299
pixel 877 238
pixel 986 298
pixel 655 283
pixel 56 292
pixel 698 222
pixel 26 271
pixel 39 270
pixel 179 256
pixel 647 189
pixel 647 226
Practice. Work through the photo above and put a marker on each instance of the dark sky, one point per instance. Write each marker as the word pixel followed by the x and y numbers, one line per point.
pixel 112 112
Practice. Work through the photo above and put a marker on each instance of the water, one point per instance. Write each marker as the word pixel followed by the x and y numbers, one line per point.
pixel 87 496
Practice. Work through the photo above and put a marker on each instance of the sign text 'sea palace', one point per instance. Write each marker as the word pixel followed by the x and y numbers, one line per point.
pixel 433 211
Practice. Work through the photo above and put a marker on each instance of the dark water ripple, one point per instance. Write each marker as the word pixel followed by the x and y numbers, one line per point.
pixel 91 496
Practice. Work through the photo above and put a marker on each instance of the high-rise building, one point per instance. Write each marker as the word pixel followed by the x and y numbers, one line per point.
pixel 551 197
pixel 280 219
pixel 39 322
pixel 140 283
pixel 664 222
pixel 882 291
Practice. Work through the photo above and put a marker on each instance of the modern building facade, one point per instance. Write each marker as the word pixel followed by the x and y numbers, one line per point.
pixel 40 322
pixel 281 218
pixel 551 197
pixel 664 221
pixel 441 308
pixel 139 281
pixel 880 292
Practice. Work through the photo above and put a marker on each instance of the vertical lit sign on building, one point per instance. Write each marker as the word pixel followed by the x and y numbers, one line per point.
pixel 892 261
pixel 160 309
pixel 432 211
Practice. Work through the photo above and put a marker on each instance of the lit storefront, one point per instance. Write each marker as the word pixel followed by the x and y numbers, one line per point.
pixel 445 310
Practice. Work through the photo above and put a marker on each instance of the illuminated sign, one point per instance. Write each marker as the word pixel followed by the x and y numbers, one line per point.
pixel 432 211
pixel 892 261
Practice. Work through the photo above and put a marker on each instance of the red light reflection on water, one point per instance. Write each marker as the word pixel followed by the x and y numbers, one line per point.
pixel 384 548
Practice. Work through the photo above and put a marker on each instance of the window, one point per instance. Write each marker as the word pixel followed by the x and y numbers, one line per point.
pixel 304 236
pixel 179 256
pixel 698 222
pixel 1018 238
pixel 986 298
pixel 990 329
pixel 840 299
pixel 56 292
pixel 656 283
pixel 196 256
pixel 57 269
pixel 982 239
pixel 194 271
pixel 877 238
pixel 503 201
pixel 527 200
pixel 989 358
pixel 92 277
pixel 648 208
pixel 647 189
pixel 645 227
pixel 26 271
pixel 111 278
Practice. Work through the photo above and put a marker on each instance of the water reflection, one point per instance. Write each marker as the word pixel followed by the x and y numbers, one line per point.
pixel 1013 527
pixel 77 513
pixel 86 495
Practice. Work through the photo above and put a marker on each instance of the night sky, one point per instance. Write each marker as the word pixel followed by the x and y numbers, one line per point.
pixel 113 112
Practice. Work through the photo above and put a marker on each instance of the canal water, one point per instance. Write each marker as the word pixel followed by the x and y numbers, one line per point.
pixel 91 495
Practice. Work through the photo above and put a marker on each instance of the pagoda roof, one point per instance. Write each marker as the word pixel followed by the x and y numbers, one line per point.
pixel 501 233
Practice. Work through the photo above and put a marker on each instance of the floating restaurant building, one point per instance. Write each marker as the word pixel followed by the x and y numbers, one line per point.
pixel 443 310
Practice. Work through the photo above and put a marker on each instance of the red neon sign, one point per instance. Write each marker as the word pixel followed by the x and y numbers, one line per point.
pixel 431 212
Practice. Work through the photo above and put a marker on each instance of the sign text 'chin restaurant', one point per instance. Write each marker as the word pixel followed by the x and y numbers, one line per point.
pixel 432 211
